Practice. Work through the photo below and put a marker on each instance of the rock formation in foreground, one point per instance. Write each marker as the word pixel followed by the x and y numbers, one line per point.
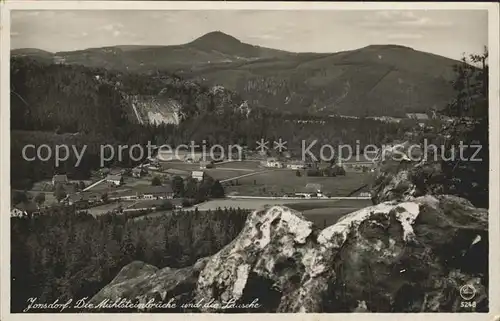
pixel 410 256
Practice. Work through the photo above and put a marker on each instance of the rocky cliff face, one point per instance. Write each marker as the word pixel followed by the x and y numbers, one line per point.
pixel 410 256
pixel 402 173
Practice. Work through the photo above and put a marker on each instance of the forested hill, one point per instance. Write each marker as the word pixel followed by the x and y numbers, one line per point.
pixel 74 98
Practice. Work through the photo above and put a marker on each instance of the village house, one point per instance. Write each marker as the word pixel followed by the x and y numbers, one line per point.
pixel 157 192
pixel 115 179
pixel 198 175
pixel 314 187
pixel 59 179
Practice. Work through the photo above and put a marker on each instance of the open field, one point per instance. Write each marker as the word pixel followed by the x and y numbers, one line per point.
pixel 279 182
pixel 222 174
pixel 246 164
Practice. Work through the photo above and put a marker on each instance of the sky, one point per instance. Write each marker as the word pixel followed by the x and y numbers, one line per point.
pixel 448 33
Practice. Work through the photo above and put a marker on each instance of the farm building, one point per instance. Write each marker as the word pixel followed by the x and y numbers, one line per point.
pixel 156 192
pixel 198 175
pixel 171 172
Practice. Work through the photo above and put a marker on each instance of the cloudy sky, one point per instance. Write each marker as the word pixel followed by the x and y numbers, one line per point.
pixel 443 32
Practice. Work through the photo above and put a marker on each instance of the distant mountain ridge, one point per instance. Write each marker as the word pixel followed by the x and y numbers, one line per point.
pixel 377 80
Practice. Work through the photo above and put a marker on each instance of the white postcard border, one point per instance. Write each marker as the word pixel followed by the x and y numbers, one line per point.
pixel 494 122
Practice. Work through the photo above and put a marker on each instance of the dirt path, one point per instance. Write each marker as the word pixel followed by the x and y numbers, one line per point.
pixel 93 185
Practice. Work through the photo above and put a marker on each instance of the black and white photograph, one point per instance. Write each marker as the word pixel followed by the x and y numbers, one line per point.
pixel 227 160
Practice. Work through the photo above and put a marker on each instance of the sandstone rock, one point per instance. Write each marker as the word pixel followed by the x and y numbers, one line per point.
pixel 411 256
pixel 393 256
pixel 139 281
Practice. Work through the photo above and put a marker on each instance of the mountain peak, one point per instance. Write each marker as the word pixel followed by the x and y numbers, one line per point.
pixel 215 37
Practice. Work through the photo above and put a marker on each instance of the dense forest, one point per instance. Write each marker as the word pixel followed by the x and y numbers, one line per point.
pixel 67 255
